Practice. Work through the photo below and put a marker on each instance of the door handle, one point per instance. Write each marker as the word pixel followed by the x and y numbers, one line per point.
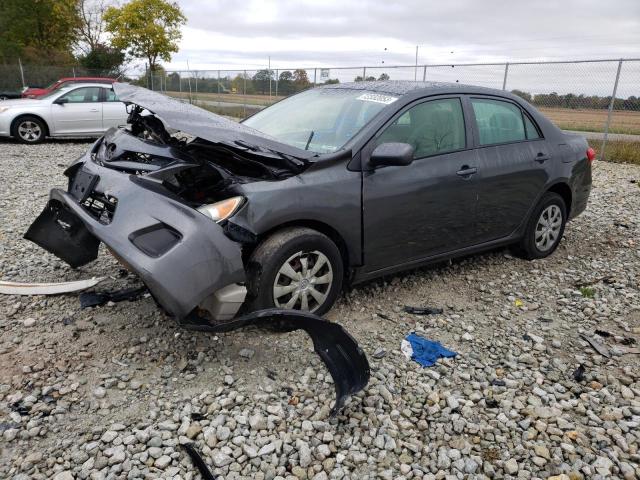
pixel 542 157
pixel 466 171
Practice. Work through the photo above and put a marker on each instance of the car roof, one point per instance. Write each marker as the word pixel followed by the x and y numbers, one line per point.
pixel 406 87
pixel 69 79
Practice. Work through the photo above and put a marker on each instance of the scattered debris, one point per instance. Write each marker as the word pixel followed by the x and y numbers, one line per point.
pixel 383 316
pixel 422 310
pixel 586 283
pixel 424 351
pixel 379 353
pixel 491 403
pixel 56 288
pixel 518 303
pixel 94 299
pixel 343 357
pixel 597 346
pixel 578 375
pixel 628 341
pixel 602 333
pixel 198 461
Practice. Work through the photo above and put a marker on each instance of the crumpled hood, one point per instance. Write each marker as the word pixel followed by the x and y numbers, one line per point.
pixel 201 123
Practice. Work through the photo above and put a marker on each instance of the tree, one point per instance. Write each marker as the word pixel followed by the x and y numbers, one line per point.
pixel 261 80
pixel 147 29
pixel 300 78
pixel 332 81
pixel 38 31
pixel 90 30
pixel 102 57
pixel 383 77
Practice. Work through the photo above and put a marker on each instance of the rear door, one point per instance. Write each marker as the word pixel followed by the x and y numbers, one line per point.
pixel 114 112
pixel 512 157
pixel 425 208
pixel 80 115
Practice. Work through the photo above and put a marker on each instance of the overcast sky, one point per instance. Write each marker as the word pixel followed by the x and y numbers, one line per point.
pixel 243 33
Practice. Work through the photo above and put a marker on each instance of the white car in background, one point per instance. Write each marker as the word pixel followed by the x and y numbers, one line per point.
pixel 85 110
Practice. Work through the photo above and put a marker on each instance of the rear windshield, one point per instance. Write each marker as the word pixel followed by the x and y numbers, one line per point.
pixel 320 120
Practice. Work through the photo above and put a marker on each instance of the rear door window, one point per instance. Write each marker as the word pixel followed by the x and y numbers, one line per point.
pixel 498 121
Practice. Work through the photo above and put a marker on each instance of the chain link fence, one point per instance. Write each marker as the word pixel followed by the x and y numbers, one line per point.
pixel 599 98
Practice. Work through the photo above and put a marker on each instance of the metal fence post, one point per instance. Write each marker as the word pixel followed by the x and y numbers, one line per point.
pixel 315 76
pixel 364 74
pixel 424 73
pixel 218 82
pixel 276 84
pixel 21 73
pixel 244 93
pixel 611 104
pixel 506 73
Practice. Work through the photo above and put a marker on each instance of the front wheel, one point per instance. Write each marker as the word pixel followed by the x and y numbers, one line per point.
pixel 296 268
pixel 29 129
pixel 545 227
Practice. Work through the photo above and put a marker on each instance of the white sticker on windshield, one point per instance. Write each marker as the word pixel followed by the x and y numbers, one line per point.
pixel 377 98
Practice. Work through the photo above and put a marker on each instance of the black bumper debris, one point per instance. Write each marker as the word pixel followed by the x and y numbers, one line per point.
pixel 345 360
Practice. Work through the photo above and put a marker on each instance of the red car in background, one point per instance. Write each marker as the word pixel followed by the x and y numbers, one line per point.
pixel 63 82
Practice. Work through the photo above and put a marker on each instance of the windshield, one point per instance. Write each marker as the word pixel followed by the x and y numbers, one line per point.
pixel 321 120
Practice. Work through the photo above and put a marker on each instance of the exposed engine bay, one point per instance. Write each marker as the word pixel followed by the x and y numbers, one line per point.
pixel 195 170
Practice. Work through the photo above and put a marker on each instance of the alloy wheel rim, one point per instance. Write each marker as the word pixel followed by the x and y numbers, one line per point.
pixel 29 131
pixel 548 228
pixel 303 282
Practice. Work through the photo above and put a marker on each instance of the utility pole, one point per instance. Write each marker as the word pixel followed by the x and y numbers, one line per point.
pixel 415 72
pixel 269 70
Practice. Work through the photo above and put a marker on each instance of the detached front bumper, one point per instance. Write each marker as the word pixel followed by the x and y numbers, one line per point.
pixel 182 256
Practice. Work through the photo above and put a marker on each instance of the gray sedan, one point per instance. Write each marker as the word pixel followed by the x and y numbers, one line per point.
pixel 84 110
pixel 339 184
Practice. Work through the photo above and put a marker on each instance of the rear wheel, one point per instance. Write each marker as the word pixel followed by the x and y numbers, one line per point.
pixel 545 228
pixel 29 129
pixel 296 268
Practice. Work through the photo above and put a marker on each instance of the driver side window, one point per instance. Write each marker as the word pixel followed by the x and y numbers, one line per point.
pixel 83 95
pixel 431 128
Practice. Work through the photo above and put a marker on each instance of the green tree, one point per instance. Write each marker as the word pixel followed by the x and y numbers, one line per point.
pixel 38 31
pixel 102 57
pixel 261 80
pixel 300 78
pixel 383 77
pixel 147 29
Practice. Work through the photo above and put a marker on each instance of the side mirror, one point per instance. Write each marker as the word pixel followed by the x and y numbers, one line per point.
pixel 62 101
pixel 392 153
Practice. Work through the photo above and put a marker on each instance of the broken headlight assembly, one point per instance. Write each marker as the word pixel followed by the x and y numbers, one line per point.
pixel 222 210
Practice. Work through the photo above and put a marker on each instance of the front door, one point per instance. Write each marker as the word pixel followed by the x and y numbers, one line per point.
pixel 78 112
pixel 428 207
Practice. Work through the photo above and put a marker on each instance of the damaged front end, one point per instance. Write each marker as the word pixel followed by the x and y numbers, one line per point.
pixel 151 193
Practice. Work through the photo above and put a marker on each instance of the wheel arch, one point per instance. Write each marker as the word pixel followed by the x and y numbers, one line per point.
pixel 14 123
pixel 564 190
pixel 319 226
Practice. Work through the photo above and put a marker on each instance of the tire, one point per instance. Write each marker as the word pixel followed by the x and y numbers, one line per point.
pixel 544 228
pixel 4 97
pixel 29 129
pixel 288 250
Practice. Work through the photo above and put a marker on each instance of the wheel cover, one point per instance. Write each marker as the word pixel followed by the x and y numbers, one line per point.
pixel 29 131
pixel 547 231
pixel 303 282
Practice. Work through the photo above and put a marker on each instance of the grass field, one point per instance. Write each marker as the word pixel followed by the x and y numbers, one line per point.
pixel 622 121
pixel 618 151
pixel 229 97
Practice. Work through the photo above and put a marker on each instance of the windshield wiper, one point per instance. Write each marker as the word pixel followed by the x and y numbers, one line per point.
pixel 309 140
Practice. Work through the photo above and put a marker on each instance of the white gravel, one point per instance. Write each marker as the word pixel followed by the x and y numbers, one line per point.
pixel 111 392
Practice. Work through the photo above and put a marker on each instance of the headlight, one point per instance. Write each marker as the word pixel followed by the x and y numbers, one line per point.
pixel 221 210
pixel 4 109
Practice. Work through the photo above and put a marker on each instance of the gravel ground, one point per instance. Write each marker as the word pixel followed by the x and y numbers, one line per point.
pixel 111 392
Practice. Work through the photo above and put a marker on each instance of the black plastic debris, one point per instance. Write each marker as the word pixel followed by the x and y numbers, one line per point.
pixel 491 403
pixel 603 333
pixel 343 357
pixel 197 460
pixel 94 299
pixel 578 375
pixel 423 310
pixel 628 341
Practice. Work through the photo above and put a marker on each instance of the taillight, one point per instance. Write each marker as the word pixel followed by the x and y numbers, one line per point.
pixel 591 154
